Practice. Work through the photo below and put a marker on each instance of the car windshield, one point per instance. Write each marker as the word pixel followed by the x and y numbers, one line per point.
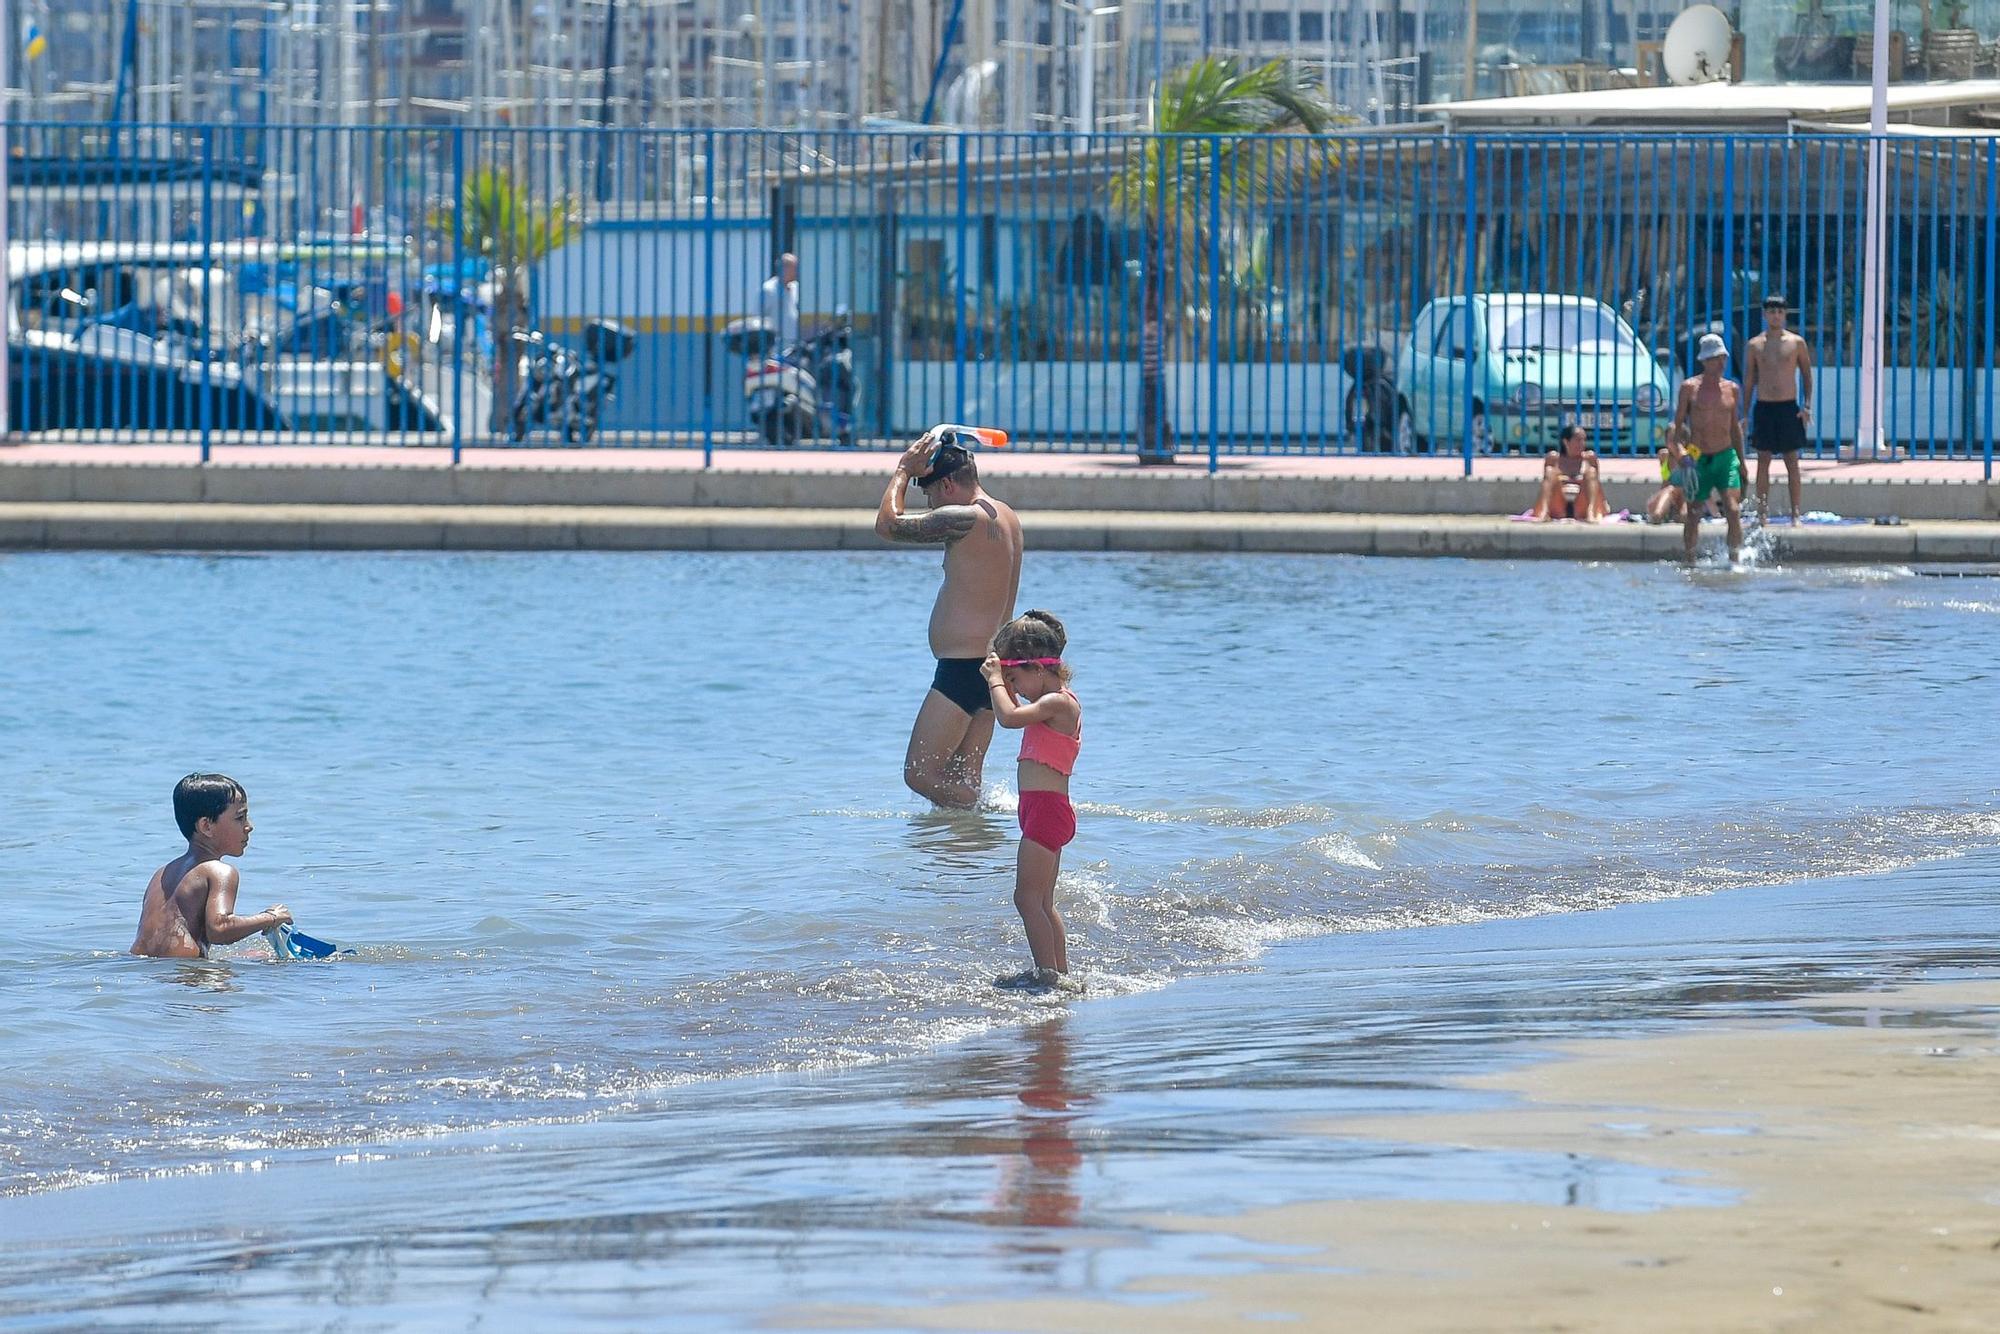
pixel 1591 330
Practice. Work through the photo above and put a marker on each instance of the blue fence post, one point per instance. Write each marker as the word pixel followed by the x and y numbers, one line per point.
pixel 1986 368
pixel 708 299
pixel 461 325
pixel 207 266
pixel 1729 242
pixel 1215 298
pixel 1470 285
pixel 959 293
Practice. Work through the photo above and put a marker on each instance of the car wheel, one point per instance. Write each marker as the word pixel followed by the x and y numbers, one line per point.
pixel 1407 439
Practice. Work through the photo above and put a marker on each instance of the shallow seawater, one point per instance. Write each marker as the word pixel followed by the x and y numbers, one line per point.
pixel 601 828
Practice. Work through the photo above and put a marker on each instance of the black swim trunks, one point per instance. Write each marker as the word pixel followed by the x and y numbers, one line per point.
pixel 1777 428
pixel 959 681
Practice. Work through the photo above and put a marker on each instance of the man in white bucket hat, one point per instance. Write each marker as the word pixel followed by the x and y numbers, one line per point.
pixel 1706 444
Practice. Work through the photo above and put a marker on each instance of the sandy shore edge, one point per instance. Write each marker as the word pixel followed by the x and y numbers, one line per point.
pixel 1863 1152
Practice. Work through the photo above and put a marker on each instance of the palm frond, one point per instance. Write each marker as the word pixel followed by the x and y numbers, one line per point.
pixel 501 222
pixel 1233 143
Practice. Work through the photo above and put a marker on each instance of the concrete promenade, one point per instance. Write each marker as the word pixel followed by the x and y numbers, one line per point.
pixel 282 496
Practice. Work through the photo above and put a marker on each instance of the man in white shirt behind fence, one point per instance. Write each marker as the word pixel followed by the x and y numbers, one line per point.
pixel 781 301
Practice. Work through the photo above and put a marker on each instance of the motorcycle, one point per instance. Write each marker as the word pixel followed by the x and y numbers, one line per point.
pixel 802 392
pixel 1371 407
pixel 562 388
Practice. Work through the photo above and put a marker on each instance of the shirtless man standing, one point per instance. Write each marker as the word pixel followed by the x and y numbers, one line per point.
pixel 982 574
pixel 1708 425
pixel 1777 379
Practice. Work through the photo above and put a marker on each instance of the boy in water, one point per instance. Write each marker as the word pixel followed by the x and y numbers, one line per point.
pixel 191 903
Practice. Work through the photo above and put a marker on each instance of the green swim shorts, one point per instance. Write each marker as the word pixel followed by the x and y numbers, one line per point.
pixel 1717 472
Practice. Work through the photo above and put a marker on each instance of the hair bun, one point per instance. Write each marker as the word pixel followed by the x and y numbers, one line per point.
pixel 1048 618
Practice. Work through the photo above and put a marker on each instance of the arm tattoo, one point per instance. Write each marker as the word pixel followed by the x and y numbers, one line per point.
pixel 945 525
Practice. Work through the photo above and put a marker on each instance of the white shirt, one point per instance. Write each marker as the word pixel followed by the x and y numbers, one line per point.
pixel 781 309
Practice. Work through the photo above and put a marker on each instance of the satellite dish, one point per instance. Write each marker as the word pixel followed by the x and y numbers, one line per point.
pixel 1697 46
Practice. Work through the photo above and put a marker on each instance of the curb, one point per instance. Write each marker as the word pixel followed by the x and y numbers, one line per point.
pixel 352 527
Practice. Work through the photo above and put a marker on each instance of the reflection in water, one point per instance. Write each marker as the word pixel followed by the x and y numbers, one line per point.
pixel 203 975
pixel 1038 1180
pixel 960 840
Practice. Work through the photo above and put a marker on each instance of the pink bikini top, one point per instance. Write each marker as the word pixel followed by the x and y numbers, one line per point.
pixel 1044 745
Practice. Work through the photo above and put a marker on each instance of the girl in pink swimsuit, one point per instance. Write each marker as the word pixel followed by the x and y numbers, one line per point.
pixel 1027 664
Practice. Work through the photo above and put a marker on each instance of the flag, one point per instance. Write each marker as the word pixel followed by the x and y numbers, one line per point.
pixel 33 42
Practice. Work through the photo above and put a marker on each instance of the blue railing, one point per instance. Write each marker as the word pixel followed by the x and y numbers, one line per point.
pixel 1358 292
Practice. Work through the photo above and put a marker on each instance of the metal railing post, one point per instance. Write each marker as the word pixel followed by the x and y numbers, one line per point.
pixel 459 321
pixel 1729 242
pixel 958 294
pixel 1992 227
pixel 208 267
pixel 1470 285
pixel 1215 300
pixel 708 299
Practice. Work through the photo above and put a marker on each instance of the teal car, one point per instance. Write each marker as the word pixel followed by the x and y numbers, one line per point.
pixel 1523 366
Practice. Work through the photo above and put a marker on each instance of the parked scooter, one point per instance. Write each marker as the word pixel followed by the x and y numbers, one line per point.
pixel 802 392
pixel 562 388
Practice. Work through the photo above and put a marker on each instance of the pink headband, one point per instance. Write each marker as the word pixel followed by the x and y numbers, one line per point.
pixel 1031 662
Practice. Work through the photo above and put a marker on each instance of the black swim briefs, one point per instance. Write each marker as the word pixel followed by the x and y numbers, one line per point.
pixel 1777 428
pixel 959 681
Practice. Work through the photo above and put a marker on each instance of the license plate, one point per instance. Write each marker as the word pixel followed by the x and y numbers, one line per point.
pixel 1597 421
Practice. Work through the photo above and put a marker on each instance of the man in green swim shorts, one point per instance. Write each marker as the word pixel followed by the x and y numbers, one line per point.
pixel 1706 444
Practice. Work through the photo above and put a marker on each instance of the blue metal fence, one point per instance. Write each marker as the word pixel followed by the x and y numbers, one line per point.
pixel 1359 292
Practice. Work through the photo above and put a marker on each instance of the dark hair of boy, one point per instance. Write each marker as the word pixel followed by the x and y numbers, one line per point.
pixel 203 797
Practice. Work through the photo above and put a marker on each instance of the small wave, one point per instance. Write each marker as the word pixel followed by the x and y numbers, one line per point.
pixel 1344 850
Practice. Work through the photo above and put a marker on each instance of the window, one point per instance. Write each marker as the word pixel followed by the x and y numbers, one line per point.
pixel 924 260
pixel 1232 30
pixel 1274 27
pixel 1591 330
pixel 1450 341
pixel 1424 333
pixel 1312 27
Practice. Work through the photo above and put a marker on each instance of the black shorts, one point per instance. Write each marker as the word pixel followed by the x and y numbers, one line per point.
pixel 959 681
pixel 1777 428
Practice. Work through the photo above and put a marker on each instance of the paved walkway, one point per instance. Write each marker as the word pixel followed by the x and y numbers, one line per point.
pixel 848 482
pixel 998 463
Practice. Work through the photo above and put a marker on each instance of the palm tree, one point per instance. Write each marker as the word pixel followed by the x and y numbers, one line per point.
pixel 505 225
pixel 1203 153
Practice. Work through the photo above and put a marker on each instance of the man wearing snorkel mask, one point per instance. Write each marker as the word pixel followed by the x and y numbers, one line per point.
pixel 982 573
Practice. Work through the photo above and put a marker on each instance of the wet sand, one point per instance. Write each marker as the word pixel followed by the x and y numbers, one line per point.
pixel 1860 1139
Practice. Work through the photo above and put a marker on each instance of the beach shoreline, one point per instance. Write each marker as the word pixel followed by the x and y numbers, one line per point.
pixel 1859 1141
pixel 1364 1125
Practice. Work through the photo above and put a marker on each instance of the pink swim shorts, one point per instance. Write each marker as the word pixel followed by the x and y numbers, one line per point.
pixel 1048 819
